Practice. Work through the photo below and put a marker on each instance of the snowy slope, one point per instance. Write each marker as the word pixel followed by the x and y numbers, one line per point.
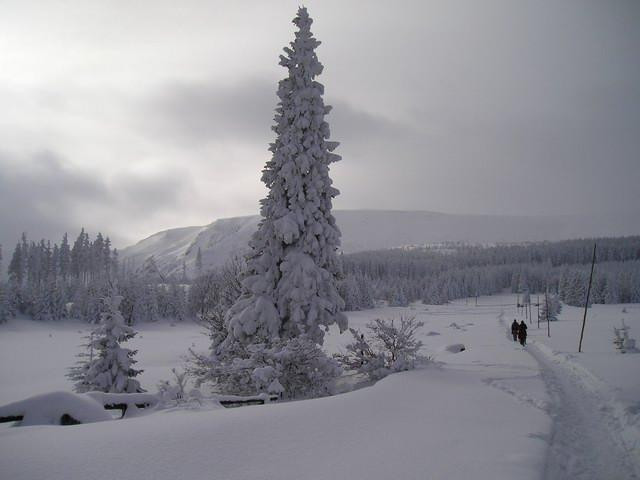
pixel 376 229
pixel 167 247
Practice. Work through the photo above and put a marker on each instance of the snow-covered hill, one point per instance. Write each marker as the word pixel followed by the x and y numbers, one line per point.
pixel 167 247
pixel 376 229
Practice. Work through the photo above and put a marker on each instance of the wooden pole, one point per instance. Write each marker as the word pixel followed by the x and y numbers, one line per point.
pixel 530 313
pixel 538 304
pixel 586 303
pixel 546 302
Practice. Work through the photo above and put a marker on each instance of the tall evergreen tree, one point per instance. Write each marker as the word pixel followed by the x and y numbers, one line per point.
pixel 65 258
pixel 290 286
pixel 16 269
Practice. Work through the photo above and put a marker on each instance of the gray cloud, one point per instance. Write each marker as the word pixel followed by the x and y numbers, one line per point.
pixel 194 113
pixel 45 197
pixel 145 195
pixel 37 195
pixel 505 156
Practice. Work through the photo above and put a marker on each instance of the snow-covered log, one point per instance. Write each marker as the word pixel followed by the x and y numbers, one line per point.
pixel 123 401
pixel 231 401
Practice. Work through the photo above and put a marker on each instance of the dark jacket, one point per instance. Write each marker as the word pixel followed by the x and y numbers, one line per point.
pixel 522 329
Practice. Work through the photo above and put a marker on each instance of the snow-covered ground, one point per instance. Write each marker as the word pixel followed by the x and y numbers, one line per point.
pixel 492 411
pixel 35 356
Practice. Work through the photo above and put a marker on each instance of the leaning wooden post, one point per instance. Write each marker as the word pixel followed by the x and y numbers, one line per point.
pixel 586 303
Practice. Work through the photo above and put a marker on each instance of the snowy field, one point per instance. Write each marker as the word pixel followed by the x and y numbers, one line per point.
pixel 491 411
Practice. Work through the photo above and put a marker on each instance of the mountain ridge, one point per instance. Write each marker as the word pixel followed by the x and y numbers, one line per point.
pixel 375 229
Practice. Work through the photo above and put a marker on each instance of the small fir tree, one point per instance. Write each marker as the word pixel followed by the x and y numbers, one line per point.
pixel 110 367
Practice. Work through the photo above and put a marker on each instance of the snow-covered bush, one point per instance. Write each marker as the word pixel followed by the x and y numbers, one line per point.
pixel 109 368
pixel 387 348
pixel 173 391
pixel 294 368
pixel 305 370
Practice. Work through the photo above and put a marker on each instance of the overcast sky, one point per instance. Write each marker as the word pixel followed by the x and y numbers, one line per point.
pixel 133 117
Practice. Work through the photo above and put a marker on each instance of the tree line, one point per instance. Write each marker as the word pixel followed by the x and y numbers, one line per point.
pixel 437 275
pixel 48 281
pixel 55 281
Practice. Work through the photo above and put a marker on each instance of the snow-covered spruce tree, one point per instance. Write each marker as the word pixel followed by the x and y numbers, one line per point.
pixel 349 291
pixel 289 291
pixel 365 297
pixel 110 368
pixel 290 287
pixel 550 307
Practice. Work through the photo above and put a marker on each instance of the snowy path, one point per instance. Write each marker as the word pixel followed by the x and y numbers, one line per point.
pixel 584 444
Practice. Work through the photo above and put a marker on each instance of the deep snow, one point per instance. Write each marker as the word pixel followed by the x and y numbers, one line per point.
pixel 48 408
pixel 491 411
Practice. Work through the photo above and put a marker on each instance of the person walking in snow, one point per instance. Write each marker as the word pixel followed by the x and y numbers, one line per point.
pixel 522 333
pixel 514 330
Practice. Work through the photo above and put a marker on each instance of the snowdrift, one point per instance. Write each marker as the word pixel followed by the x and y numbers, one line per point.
pixel 56 408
